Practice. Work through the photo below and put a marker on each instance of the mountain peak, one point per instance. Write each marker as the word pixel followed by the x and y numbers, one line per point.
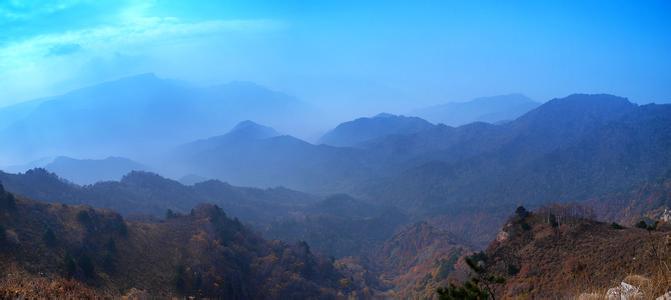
pixel 253 130
pixel 355 132
pixel 491 109
pixel 594 106
pixel 508 99
pixel 385 115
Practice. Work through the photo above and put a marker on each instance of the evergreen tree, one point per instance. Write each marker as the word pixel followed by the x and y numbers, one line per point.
pixel 49 238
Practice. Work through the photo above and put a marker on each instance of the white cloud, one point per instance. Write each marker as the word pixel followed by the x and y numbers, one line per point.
pixel 17 10
pixel 29 69
pixel 139 32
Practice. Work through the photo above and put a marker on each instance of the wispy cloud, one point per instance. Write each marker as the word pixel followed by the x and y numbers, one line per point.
pixel 37 63
pixel 139 32
pixel 16 10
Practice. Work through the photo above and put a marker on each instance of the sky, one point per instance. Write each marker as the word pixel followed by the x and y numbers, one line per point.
pixel 380 55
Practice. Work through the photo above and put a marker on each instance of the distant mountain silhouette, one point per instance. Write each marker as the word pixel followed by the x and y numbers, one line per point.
pixel 360 130
pixel 144 193
pixel 137 115
pixel 493 109
pixel 89 171
pixel 568 149
pixel 244 157
pixel 471 164
pixel 243 132
pixel 278 213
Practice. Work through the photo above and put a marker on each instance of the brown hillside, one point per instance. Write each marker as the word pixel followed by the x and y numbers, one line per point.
pixel 76 251
pixel 543 256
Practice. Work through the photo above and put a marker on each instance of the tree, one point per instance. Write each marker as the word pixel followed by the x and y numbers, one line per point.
pixel 49 238
pixel 69 266
pixel 86 264
pixel 478 287
pixel 470 290
pixel 84 218
pixel 110 246
pixel 7 200
pixel 552 219
pixel 521 212
pixel 3 234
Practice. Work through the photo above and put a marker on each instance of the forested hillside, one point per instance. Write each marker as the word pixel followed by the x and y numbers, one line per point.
pixel 57 250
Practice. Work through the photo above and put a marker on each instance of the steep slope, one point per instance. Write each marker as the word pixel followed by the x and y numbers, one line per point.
pixel 156 113
pixel 647 200
pixel 417 260
pixel 339 226
pixel 202 254
pixel 355 132
pixel 485 109
pixel 556 253
pixel 89 171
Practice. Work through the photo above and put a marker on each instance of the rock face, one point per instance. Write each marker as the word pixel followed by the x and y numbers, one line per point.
pixel 624 292
pixel 666 216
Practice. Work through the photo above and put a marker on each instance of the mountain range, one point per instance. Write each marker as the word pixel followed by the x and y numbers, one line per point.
pixel 494 109
pixel 136 116
pixel 401 205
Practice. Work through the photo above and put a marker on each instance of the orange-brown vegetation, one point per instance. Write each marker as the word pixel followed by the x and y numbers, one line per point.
pixel 78 252
pixel 548 255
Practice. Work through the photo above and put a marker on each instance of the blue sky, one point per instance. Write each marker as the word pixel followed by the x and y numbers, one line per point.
pixel 381 54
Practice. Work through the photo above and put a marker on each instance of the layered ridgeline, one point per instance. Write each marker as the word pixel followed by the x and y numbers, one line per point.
pixel 361 130
pixel 495 109
pixel 63 251
pixel 251 154
pixel 82 171
pixel 568 149
pixel 148 194
pixel 591 134
pixel 136 117
pixel 336 225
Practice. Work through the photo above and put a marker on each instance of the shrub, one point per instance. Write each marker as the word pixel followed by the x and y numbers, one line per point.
pixel 616 226
pixel 642 224
pixel 513 269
